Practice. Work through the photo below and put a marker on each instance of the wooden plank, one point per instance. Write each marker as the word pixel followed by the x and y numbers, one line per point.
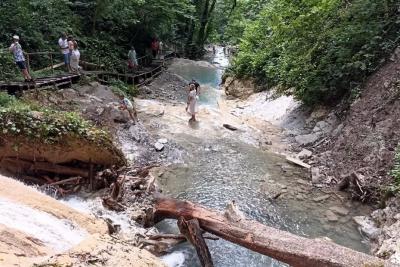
pixel 298 162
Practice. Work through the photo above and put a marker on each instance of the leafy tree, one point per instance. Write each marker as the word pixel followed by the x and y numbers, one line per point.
pixel 318 50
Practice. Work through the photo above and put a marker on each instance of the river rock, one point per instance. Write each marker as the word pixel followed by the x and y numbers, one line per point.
pixel 159 147
pixel 331 216
pixel 162 141
pixel 307 139
pixel 316 175
pixel 339 210
pixel 240 88
pixel 322 126
pixel 321 198
pixel 367 226
pixel 304 154
pixel 230 127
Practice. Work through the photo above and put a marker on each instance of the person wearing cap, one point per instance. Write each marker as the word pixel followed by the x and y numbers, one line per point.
pixel 64 46
pixel 19 58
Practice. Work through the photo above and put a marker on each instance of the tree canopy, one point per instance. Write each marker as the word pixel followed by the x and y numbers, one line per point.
pixel 316 50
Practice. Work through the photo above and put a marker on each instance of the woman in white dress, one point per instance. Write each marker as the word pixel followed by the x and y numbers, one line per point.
pixel 191 107
pixel 74 60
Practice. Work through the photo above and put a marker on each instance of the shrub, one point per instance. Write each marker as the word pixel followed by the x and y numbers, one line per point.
pixel 321 49
pixel 119 87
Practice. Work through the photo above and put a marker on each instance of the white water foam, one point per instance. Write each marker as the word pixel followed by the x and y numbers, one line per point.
pixel 59 234
pixel 175 259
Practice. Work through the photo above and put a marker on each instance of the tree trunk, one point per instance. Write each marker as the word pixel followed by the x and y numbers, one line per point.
pixel 191 230
pixel 283 246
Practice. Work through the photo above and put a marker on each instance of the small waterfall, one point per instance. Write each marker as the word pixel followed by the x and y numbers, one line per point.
pixel 58 234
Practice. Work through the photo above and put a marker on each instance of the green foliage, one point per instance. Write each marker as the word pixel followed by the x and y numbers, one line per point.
pixel 6 99
pixel 46 125
pixel 318 50
pixel 103 29
pixel 8 69
pixel 121 88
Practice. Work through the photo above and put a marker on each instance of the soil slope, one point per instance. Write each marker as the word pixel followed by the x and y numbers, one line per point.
pixel 371 131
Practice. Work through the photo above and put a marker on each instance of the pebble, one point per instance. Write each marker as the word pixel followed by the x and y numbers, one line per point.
pixel 158 146
pixel 339 210
pixel 331 216
pixel 162 141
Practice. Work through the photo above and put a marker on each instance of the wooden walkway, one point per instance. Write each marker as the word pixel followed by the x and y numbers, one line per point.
pixel 138 78
pixel 56 81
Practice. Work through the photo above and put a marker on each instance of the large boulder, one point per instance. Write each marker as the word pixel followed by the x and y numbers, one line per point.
pixel 239 88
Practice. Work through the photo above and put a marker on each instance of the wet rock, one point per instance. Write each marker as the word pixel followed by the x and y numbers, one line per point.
pixel 322 126
pixel 367 226
pixel 304 154
pixel 118 115
pixel 339 210
pixel 162 141
pixel 307 139
pixel 316 175
pixel 338 130
pixel 230 127
pixel 331 216
pixel 68 93
pixel 302 182
pixel 159 147
pixel 321 198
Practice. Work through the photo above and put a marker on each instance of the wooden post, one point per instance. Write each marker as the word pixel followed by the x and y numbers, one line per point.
pixel 191 230
pixel 28 62
pixel 91 176
pixel 51 60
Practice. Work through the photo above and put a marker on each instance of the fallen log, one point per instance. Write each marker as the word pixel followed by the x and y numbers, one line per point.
pixel 283 246
pixel 191 230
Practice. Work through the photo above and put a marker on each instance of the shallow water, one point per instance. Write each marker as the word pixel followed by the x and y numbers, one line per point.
pixel 216 171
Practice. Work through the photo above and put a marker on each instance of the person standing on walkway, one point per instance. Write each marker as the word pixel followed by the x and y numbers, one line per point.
pixel 155 47
pixel 19 58
pixel 64 47
pixel 74 58
pixel 132 59
pixel 191 107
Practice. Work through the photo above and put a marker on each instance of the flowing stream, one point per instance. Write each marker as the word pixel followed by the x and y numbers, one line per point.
pixel 218 170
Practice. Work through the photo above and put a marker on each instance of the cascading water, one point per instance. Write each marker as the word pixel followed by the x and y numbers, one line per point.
pixel 58 234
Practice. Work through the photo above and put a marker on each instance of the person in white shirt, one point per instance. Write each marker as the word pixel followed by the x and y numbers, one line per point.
pixel 19 58
pixel 74 58
pixel 63 44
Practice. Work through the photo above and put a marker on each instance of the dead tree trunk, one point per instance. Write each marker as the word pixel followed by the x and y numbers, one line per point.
pixel 283 246
pixel 191 230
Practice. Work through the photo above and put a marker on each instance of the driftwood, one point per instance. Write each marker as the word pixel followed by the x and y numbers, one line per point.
pixel 283 246
pixel 298 162
pixel 191 230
